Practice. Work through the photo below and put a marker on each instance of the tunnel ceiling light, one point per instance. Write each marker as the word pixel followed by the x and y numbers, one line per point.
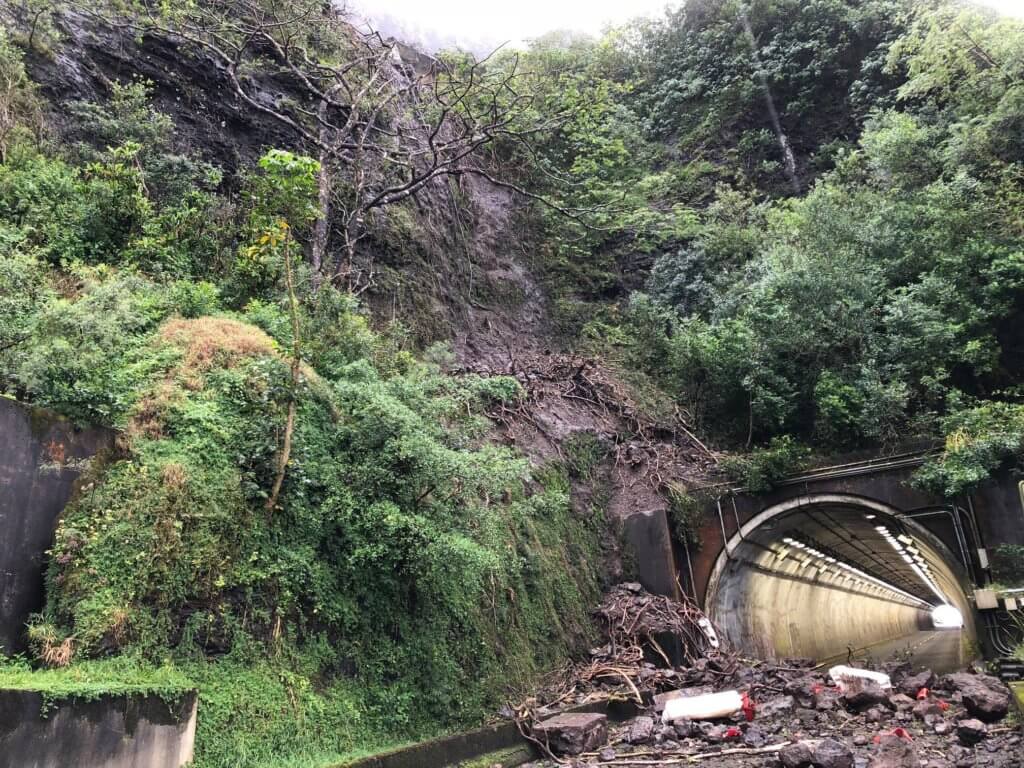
pixel 920 569
pixel 870 517
pixel 864 581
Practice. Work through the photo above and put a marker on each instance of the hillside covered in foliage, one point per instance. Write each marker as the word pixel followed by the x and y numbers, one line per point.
pixel 291 263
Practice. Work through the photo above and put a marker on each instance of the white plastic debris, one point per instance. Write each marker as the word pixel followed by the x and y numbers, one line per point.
pixel 843 675
pixel 707 706
pixel 709 631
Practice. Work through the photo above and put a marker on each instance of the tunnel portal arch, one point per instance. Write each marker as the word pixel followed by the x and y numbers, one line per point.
pixel 821 573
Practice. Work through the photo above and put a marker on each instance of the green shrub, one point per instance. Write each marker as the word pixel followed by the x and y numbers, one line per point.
pixel 1008 565
pixel 759 470
pixel 980 441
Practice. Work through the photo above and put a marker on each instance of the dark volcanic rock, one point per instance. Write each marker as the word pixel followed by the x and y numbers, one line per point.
pixel 925 709
pixel 985 697
pixel 894 752
pixel 830 753
pixel 573 733
pixel 754 737
pixel 641 730
pixel 970 732
pixel 803 689
pixel 780 705
pixel 901 702
pixel 897 671
pixel 909 686
pixel 796 755
pixel 861 694
pixel 685 729
pixel 827 700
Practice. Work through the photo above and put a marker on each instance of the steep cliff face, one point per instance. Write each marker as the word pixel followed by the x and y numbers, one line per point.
pixel 442 253
pixel 451 264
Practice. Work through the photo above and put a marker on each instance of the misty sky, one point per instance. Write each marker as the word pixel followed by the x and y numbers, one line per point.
pixel 518 20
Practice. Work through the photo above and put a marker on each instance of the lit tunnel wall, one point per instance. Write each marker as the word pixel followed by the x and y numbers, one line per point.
pixel 772 599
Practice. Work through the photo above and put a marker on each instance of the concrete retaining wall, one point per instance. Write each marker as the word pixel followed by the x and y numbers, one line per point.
pixel 108 732
pixel 41 457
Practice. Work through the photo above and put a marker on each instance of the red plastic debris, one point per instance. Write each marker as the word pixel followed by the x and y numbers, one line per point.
pixel 900 732
pixel 922 694
pixel 748 707
pixel 943 705
pixel 733 732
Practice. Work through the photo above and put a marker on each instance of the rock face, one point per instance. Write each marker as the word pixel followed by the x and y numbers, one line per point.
pixel 985 697
pixel 573 733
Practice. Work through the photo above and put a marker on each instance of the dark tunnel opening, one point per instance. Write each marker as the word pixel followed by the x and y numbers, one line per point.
pixel 830 576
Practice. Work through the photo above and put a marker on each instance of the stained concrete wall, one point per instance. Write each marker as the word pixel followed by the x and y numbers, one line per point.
pixel 108 732
pixel 650 541
pixel 41 457
pixel 778 610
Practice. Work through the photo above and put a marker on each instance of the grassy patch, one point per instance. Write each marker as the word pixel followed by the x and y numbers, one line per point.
pixel 92 679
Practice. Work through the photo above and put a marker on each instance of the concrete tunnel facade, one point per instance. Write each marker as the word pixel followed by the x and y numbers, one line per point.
pixel 772 599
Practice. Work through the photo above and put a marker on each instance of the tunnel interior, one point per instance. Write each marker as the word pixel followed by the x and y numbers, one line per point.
pixel 820 578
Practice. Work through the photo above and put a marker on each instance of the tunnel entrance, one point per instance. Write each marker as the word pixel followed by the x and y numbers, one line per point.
pixel 831 576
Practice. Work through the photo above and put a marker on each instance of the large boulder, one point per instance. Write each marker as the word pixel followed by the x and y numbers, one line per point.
pixel 573 733
pixel 984 696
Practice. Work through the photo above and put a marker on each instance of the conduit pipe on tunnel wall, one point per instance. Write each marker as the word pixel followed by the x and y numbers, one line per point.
pixel 767 606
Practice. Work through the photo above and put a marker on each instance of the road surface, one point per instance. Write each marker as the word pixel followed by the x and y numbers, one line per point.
pixel 940 650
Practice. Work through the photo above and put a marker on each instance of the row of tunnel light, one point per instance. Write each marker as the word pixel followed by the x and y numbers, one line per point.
pixel 858 577
pixel 906 548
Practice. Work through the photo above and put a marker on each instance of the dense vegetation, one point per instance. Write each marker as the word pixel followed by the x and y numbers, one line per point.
pixel 302 518
pixel 799 222
pixel 847 276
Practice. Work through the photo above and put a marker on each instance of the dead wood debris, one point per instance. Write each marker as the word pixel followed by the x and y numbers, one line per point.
pixel 646 448
pixel 653 644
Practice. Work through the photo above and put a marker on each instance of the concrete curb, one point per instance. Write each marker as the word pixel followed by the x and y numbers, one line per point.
pixel 473 745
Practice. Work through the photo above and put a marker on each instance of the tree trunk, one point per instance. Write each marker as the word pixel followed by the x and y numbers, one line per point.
pixel 788 159
pixel 321 230
pixel 286 448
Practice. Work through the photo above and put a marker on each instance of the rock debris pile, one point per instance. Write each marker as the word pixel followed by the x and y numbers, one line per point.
pixel 785 714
